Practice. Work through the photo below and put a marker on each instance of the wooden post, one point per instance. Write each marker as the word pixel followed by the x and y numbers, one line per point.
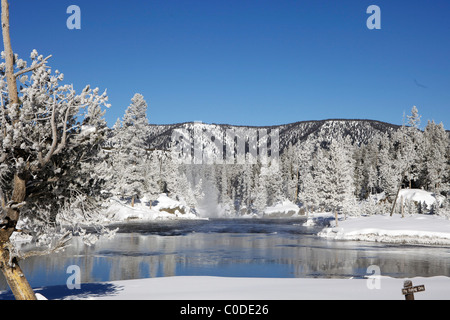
pixel 403 207
pixel 408 289
pixel 408 284
pixel 336 217
pixel 395 201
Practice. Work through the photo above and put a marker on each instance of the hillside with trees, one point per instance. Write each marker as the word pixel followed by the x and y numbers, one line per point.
pixel 322 165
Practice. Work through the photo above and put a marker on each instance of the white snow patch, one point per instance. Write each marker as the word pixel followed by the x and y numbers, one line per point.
pixel 420 196
pixel 412 229
pixel 40 297
pixel 86 130
pixel 317 219
pixel 229 288
pixel 284 208
pixel 165 208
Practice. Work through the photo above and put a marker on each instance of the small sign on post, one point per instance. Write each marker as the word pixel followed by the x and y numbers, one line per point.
pixel 408 289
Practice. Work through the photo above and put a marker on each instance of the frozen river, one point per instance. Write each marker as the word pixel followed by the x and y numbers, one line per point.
pixel 279 248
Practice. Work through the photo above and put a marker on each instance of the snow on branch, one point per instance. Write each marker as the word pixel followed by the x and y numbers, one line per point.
pixel 33 67
pixel 60 245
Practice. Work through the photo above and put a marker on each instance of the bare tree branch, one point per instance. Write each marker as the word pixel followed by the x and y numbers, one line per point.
pixel 61 244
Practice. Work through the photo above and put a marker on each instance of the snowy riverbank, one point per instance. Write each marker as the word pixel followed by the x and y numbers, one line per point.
pixel 412 229
pixel 227 288
pixel 163 208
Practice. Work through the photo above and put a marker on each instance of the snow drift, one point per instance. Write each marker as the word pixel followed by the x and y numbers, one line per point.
pixel 412 229
pixel 225 288
pixel 162 208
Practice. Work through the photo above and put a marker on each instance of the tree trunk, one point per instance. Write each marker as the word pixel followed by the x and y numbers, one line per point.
pixel 395 201
pixel 11 269
pixel 9 56
pixel 13 274
pixel 20 189
pixel 15 277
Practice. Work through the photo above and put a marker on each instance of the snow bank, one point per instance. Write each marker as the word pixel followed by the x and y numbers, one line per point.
pixel 163 208
pixel 166 204
pixel 318 219
pixel 420 196
pixel 412 229
pixel 282 209
pixel 228 288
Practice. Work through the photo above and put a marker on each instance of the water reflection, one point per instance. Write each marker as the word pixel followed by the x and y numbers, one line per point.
pixel 243 248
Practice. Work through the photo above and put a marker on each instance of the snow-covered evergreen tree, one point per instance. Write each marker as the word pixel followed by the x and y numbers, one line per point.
pixel 341 175
pixel 226 197
pixel 129 154
pixel 391 166
pixel 308 196
pixel 414 118
pixel 435 163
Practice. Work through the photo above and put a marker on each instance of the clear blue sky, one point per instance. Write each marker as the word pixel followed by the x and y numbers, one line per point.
pixel 249 62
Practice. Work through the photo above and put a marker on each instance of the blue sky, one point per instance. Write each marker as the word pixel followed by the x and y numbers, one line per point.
pixel 249 62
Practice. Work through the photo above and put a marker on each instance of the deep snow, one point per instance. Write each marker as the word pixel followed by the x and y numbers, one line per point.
pixel 412 229
pixel 163 208
pixel 225 288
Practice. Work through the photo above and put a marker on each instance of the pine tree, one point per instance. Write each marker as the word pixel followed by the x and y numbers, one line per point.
pixel 341 175
pixel 414 118
pixel 321 172
pixel 413 141
pixel 307 188
pixel 307 195
pixel 389 166
pixel 135 122
pixel 129 149
pixel 434 156
pixel 226 199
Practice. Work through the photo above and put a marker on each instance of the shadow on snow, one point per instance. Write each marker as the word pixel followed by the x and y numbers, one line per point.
pixel 62 292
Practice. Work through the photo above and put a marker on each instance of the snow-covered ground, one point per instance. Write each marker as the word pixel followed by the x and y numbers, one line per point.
pixel 420 196
pixel 282 209
pixel 164 208
pixel 412 229
pixel 225 288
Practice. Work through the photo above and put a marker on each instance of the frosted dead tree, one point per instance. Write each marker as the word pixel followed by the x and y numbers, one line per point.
pixel 48 134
